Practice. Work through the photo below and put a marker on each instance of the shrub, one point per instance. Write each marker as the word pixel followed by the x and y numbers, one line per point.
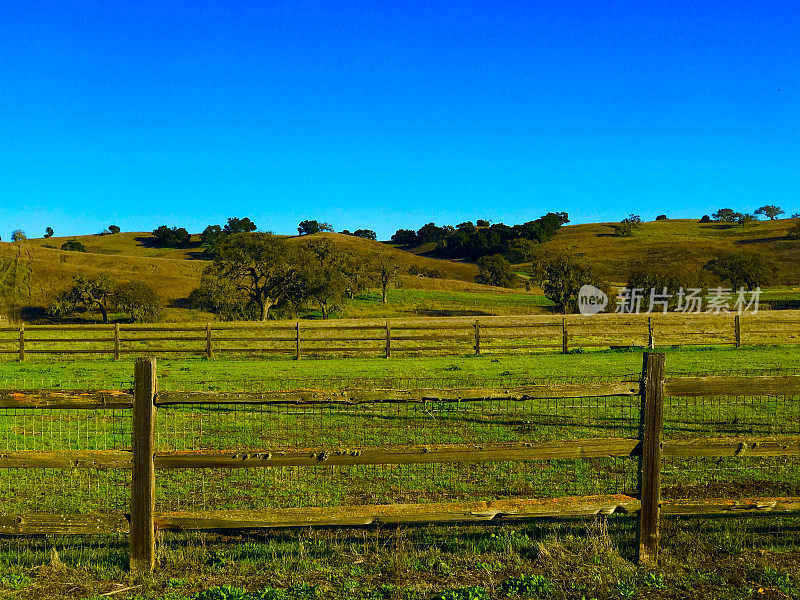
pixel 365 233
pixel 18 235
pixel 465 593
pixel 310 227
pixel 139 301
pixel 495 270
pixel 113 229
pixel 634 220
pixel 561 279
pixel 175 236
pixel 661 218
pixel 73 246
pixel 623 229
pixel 705 219
pixel 405 237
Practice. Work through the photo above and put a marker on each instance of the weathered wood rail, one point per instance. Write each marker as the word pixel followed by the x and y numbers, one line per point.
pixel 648 449
pixel 398 338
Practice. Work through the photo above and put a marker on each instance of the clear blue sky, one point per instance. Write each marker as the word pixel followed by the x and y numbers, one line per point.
pixel 387 114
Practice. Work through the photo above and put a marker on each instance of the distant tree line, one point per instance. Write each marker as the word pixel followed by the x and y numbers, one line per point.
pixel 471 241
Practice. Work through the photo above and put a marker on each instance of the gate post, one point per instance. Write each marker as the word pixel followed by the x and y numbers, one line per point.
pixel 652 421
pixel 143 483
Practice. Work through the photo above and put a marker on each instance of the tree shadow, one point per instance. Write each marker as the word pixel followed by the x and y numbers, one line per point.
pixel 33 313
pixel 180 303
pixel 777 238
pixel 150 242
pixel 608 234
pixel 718 226
pixel 434 312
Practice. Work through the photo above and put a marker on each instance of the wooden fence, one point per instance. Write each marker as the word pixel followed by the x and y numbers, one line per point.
pixel 143 522
pixel 404 337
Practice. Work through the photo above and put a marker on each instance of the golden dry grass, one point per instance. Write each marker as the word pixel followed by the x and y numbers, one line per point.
pixel 677 245
pixel 32 273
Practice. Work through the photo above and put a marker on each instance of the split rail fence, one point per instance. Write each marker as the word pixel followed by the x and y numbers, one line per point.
pixel 391 338
pixel 162 449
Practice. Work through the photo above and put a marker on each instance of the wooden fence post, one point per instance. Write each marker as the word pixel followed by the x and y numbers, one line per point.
pixel 388 341
pixel 477 338
pixel 564 338
pixel 297 341
pixel 22 342
pixel 116 341
pixel 209 349
pixel 737 330
pixel 143 483
pixel 652 404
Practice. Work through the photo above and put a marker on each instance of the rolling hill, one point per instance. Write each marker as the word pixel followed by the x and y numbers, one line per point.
pixel 677 245
pixel 33 272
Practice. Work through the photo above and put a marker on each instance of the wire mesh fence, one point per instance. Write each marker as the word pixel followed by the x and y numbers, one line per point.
pixel 77 491
pixel 734 477
pixel 327 427
pixel 335 427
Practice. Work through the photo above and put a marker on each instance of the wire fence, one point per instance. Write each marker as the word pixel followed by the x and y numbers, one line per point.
pixel 78 491
pixel 324 428
pixel 733 477
pixel 336 428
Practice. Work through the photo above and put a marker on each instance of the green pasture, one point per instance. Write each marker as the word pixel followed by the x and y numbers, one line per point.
pixel 426 302
pixel 230 371
pixel 589 558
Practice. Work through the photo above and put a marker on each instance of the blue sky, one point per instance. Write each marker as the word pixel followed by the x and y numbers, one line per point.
pixel 392 114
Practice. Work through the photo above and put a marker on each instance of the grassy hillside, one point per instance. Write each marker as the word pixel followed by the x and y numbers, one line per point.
pixel 32 273
pixel 368 249
pixel 677 245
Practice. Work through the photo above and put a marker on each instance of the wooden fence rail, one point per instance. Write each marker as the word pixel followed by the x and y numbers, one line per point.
pixel 393 338
pixel 648 448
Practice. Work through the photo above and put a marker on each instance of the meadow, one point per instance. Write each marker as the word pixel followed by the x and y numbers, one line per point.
pixel 566 558
pixel 582 558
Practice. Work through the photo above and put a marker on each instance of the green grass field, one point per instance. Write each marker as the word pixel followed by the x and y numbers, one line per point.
pixel 572 558
pixel 192 372
pixel 427 302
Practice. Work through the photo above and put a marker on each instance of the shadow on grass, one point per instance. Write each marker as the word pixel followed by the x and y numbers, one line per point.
pixel 767 240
